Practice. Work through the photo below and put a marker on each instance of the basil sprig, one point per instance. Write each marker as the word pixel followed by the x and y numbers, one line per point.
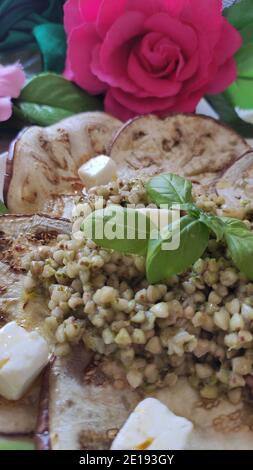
pixel 120 229
pixel 214 223
pixel 162 264
pixel 239 240
pixel 169 189
pixel 195 229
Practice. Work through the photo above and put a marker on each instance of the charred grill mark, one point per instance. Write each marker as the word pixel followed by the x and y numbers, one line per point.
pixel 229 423
pixel 132 164
pixel 5 242
pixel 93 375
pixel 64 137
pixel 28 196
pixel 46 145
pixel 93 132
pixel 92 440
pixel 43 236
pixel 48 170
pixel 13 263
pixel 138 135
pixel 179 132
pixel 208 404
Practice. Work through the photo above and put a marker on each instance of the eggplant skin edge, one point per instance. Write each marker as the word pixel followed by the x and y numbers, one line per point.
pixel 42 436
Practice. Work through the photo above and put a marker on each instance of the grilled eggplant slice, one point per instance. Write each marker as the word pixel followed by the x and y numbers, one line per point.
pixel 43 162
pixel 236 187
pixel 18 236
pixel 80 408
pixel 193 146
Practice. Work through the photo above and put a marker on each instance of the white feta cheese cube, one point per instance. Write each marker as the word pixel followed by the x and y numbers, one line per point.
pixel 152 426
pixel 97 171
pixel 23 355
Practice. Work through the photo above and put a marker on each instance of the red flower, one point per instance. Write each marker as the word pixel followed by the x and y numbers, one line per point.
pixel 147 56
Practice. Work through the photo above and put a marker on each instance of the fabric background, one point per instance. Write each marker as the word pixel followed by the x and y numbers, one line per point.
pixel 30 26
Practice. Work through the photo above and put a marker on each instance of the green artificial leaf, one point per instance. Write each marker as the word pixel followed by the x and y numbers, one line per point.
pixel 48 98
pixel 42 115
pixel 240 93
pixel 169 189
pixel 223 107
pixel 9 444
pixel 240 246
pixel 161 264
pixel 244 57
pixel 214 223
pixel 240 14
pixel 3 208
pixel 120 229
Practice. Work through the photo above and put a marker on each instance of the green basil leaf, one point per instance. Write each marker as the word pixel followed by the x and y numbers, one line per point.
pixel 48 97
pixel 231 224
pixel 240 246
pixel 3 208
pixel 223 107
pixel 191 209
pixel 240 14
pixel 119 229
pixel 214 223
pixel 169 189
pixel 161 264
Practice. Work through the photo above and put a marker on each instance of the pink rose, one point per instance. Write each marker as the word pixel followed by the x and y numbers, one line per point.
pixel 12 79
pixel 147 56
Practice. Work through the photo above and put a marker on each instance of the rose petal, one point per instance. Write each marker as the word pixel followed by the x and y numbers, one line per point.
pixel 79 56
pixel 142 105
pixel 154 50
pixel 156 87
pixel 148 7
pixel 115 50
pixel 125 108
pixel 12 78
pixel 205 16
pixel 225 75
pixel 188 103
pixel 89 9
pixel 203 13
pixel 119 76
pixel 116 109
pixel 189 68
pixel 72 16
pixel 206 70
pixel 229 43
pixel 5 108
pixel 109 12
pixel 181 34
